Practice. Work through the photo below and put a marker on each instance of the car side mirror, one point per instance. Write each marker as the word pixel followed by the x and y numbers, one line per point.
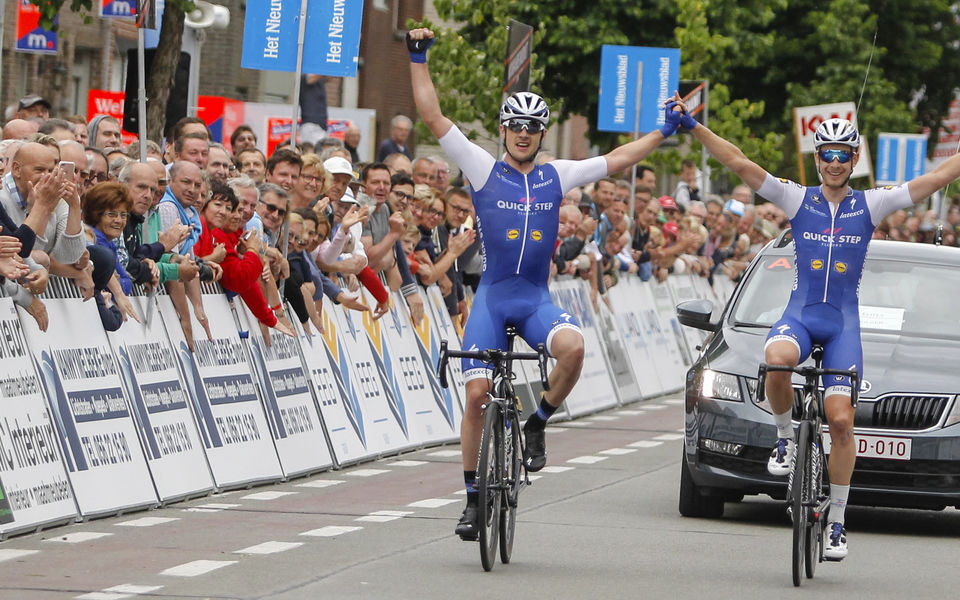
pixel 696 314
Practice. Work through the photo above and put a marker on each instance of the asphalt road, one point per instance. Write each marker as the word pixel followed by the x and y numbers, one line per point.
pixel 600 522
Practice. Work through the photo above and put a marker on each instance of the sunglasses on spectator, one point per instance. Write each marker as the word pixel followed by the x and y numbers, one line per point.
pixel 274 208
pixel 98 177
pixel 829 156
pixel 518 125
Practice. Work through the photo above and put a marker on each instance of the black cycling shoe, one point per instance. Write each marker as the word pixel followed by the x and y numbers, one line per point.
pixel 535 451
pixel 469 527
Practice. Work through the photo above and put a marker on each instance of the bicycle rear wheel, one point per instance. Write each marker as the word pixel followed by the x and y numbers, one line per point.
pixel 513 475
pixel 798 493
pixel 489 483
pixel 814 467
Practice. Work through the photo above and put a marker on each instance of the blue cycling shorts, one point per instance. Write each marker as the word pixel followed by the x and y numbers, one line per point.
pixel 837 332
pixel 513 301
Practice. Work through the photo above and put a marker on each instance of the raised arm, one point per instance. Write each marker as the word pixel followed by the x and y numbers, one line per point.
pixel 926 184
pixel 732 157
pixel 629 154
pixel 424 94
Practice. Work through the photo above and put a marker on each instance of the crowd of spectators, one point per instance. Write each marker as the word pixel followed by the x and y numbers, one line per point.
pixel 311 221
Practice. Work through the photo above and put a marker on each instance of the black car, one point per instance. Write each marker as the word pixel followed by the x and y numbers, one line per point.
pixel 908 419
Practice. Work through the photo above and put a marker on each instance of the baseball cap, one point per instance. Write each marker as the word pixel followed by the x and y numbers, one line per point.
pixel 671 228
pixel 734 206
pixel 667 203
pixel 28 101
pixel 338 165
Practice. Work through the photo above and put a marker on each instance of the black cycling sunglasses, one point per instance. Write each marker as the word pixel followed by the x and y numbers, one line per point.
pixel 518 125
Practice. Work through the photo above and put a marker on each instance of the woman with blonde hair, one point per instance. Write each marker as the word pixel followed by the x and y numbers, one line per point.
pixel 311 184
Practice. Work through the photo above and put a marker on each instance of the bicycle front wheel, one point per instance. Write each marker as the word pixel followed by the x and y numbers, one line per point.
pixel 798 493
pixel 513 475
pixel 489 483
pixel 814 467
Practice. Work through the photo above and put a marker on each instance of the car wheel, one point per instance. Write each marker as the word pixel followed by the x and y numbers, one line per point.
pixel 693 503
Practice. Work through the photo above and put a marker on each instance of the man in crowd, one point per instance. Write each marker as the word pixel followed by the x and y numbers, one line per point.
pixel 253 164
pixel 219 163
pixel 424 172
pixel 283 169
pixel 193 147
pixel 105 132
pixel 400 127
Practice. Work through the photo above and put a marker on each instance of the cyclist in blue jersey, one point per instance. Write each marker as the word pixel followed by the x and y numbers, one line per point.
pixel 832 226
pixel 518 205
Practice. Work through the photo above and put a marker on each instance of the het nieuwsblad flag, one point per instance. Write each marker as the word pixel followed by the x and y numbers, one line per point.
pixel 331 40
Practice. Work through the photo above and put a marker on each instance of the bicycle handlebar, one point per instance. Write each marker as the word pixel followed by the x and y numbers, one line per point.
pixel 808 372
pixel 491 356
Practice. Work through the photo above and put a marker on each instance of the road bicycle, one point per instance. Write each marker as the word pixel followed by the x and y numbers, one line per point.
pixel 500 471
pixel 807 502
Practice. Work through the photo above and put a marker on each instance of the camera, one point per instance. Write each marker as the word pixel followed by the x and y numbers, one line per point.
pixel 205 273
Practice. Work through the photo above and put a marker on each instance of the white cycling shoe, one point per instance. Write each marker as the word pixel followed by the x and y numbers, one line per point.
pixel 781 457
pixel 836 542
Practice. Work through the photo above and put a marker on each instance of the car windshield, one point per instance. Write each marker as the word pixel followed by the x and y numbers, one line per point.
pixel 910 298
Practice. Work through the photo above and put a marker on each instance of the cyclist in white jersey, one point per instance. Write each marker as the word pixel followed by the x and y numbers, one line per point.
pixel 518 207
pixel 832 225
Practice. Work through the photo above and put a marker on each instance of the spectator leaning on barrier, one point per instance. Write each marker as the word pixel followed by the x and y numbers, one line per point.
pixel 248 195
pixel 150 263
pixel 105 209
pixel 316 229
pixel 383 229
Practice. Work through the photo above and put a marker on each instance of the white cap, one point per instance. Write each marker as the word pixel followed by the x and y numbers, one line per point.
pixel 348 194
pixel 336 165
pixel 736 207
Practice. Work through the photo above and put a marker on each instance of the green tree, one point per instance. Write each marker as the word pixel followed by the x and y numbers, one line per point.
pixel 164 66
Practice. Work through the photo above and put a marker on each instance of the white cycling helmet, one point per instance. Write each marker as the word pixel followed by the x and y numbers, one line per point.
pixel 836 131
pixel 525 105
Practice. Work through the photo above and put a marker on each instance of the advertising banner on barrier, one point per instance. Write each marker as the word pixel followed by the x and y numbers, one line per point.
pixel 614 350
pixel 81 379
pixel 628 314
pixel 232 425
pixel 675 342
pixel 683 288
pixel 336 390
pixel 294 421
pixel 34 489
pixel 373 407
pixel 430 417
pixel 161 408
pixel 430 333
pixel 594 390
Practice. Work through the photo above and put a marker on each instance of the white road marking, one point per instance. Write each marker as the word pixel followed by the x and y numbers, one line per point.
pixel 644 444
pixel 576 424
pixel 78 537
pixel 674 401
pixel 631 413
pixel 12 553
pixel 267 495
pixel 197 567
pixel 654 406
pixel 461 492
pixel 445 453
pixel 269 548
pixel 217 506
pixel 118 592
pixel 407 463
pixel 365 472
pixel 603 418
pixel 587 460
pixel 555 469
pixel 330 531
pixel 669 437
pixel 147 522
pixel 534 477
pixel 556 429
pixel 618 451
pixel 383 516
pixel 320 483
pixel 434 502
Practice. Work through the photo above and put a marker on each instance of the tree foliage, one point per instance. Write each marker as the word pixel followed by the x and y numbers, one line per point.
pixel 761 57
pixel 164 66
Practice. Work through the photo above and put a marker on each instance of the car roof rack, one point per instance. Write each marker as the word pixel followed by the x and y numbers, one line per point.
pixel 786 236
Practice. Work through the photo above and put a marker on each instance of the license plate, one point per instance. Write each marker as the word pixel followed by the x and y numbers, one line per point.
pixel 877 446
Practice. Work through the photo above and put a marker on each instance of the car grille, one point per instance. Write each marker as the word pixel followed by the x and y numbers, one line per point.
pixel 893 411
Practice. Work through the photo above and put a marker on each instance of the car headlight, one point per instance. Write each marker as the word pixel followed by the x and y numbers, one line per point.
pixel 721 386
pixel 954 416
